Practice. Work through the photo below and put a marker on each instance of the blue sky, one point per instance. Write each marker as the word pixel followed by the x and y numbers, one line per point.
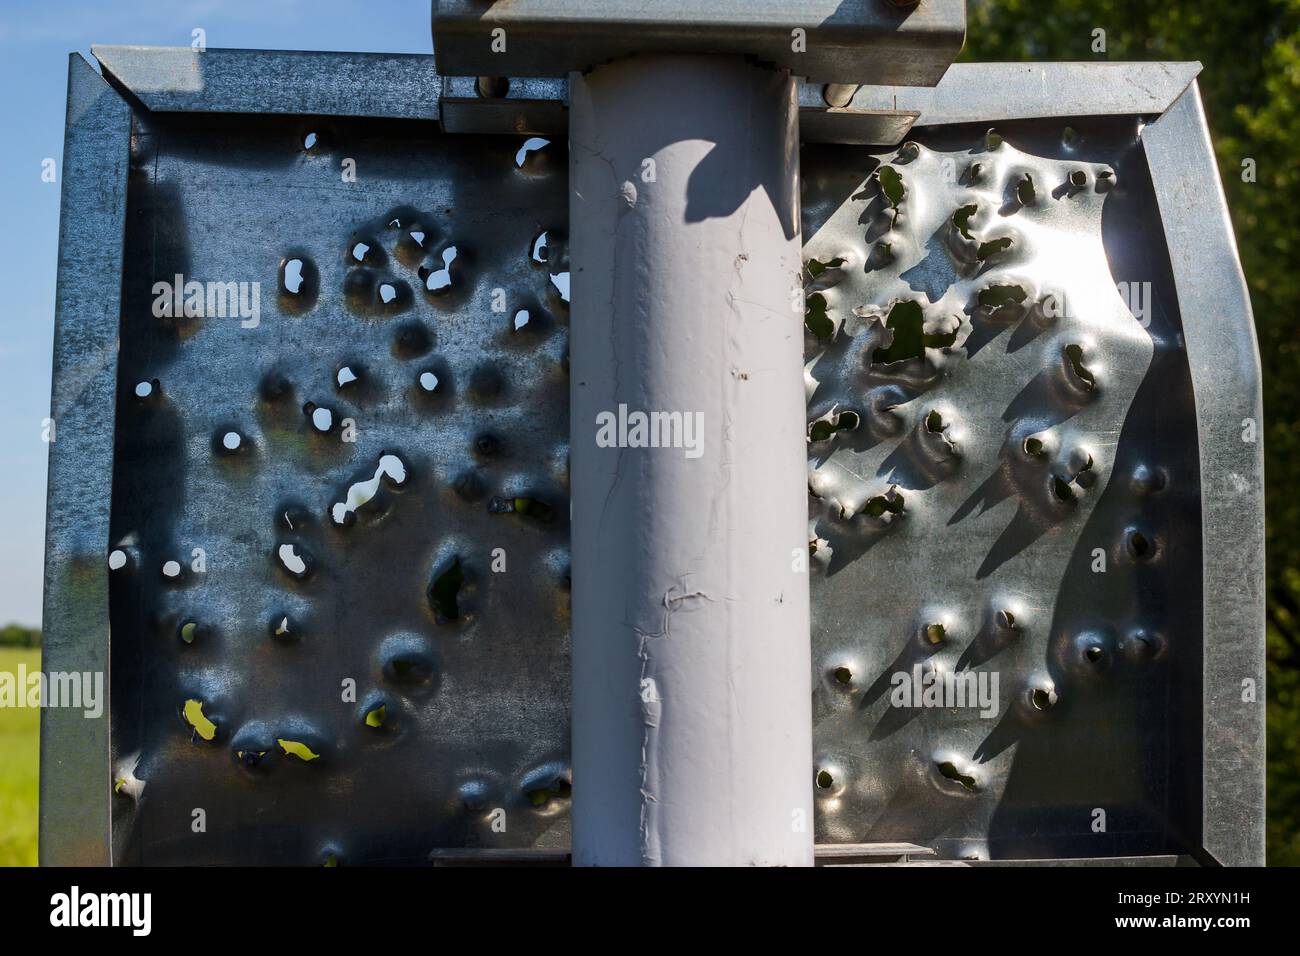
pixel 35 40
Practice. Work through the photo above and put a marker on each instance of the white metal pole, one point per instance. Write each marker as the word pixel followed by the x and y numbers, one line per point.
pixel 692 730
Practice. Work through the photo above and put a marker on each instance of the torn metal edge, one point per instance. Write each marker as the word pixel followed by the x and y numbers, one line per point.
pixel 1223 355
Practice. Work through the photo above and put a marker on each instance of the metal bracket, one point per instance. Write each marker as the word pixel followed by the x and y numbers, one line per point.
pixel 829 41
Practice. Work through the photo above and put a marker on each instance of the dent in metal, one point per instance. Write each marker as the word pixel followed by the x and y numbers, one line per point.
pixel 439 587
pixel 966 474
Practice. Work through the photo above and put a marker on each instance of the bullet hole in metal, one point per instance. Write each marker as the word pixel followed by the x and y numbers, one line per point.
pixel 1078 179
pixel 540 251
pixel 934 423
pixel 520 320
pixel 309 141
pixel 528 507
pixel 299 283
pixel 231 441
pixel 194 716
pixel 390 466
pixel 889 503
pixel 816 268
pixel 541 796
pixel 1138 545
pixel 296 748
pixel 1094 654
pixel 189 631
pixel 891 185
pixel 993 247
pixel 492 87
pixel 825 780
pixel 146 389
pixel 250 758
pixel 1033 446
pixel 428 381
pixel 376 716
pixel 293 278
pixel 907 338
pixel 365 293
pixel 291 560
pixel 815 318
pixel 1040 698
pixel 171 569
pixel 409 667
pixel 359 251
pixel 1005 620
pixel 948 770
pixel 282 628
pixel 1085 476
pixel 129 786
pixel 322 419
pixel 1025 192
pixel 935 633
pixel 999 298
pixel 843 675
pixel 440 280
pixel 992 140
pixel 444 592
pixel 116 559
pixel 824 428
pixel 531 145
pixel 345 376
pixel 560 281
pixel 1061 489
pixel 962 217
pixel 1074 355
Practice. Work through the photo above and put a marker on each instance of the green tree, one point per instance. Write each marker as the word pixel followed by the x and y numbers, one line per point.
pixel 1251 89
pixel 15 635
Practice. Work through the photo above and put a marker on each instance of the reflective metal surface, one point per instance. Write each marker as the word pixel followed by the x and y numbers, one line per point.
pixel 1004 487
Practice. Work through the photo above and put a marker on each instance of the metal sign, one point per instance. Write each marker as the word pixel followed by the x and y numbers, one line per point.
pixel 316 526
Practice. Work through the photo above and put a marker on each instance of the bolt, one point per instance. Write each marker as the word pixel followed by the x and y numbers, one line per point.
pixel 839 95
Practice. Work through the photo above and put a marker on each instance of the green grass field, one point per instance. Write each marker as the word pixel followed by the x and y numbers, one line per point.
pixel 19 766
